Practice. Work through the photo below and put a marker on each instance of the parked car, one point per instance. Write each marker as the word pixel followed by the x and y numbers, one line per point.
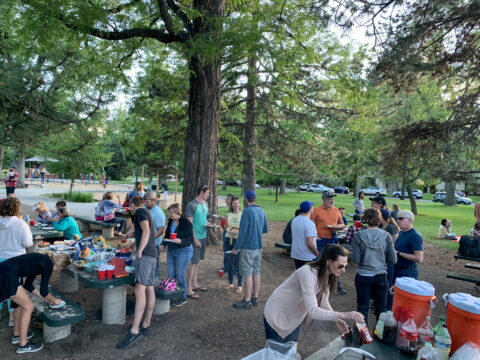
pixel 374 191
pixel 257 186
pixel 319 188
pixel 234 182
pixel 441 195
pixel 460 193
pixel 417 194
pixel 219 182
pixel 304 186
pixel 341 189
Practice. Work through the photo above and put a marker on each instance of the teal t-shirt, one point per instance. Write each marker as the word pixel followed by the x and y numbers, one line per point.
pixel 199 213
pixel 69 227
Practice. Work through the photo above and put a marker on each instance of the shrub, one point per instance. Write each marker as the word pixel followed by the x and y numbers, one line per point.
pixel 75 196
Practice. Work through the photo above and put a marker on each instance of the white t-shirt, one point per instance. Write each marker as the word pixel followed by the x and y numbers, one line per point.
pixel 302 227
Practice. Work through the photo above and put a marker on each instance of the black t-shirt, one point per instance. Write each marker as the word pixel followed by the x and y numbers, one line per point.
pixel 143 215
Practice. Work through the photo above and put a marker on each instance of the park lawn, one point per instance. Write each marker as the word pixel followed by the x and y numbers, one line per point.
pixel 426 222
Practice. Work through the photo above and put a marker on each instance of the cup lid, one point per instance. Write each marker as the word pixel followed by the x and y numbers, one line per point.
pixel 414 286
pixel 465 302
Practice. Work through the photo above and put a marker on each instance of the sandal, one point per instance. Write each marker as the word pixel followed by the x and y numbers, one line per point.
pixel 193 296
pixel 200 288
pixel 238 290
pixel 229 287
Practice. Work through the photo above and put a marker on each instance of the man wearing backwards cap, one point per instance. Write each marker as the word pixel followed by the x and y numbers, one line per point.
pixel 327 219
pixel 378 202
pixel 253 224
pixel 304 233
pixel 409 247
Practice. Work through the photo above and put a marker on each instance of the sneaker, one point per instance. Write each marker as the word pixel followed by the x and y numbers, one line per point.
pixel 10 323
pixel 16 339
pixel 341 291
pixel 179 302
pixel 29 347
pixel 129 340
pixel 254 301
pixel 145 331
pixel 243 304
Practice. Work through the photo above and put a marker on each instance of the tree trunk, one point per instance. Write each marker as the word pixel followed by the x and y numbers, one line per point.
pixel 450 194
pixel 19 161
pixel 413 202
pixel 158 181
pixel 283 187
pixel 224 184
pixel 2 154
pixel 201 143
pixel 249 129
pixel 358 186
pixel 72 182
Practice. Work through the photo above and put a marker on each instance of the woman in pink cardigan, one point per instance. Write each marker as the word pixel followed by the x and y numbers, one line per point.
pixel 305 294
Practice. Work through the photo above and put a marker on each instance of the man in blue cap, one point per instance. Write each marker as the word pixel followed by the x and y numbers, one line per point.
pixel 304 233
pixel 253 224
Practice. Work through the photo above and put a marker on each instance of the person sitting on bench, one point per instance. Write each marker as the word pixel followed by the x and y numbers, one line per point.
pixel 13 287
pixel 64 222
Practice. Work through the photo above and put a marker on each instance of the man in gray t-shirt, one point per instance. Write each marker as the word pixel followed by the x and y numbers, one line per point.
pixel 304 233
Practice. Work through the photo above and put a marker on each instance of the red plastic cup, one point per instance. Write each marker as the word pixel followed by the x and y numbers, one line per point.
pixel 358 224
pixel 32 222
pixel 220 272
pixel 223 222
pixel 173 236
pixel 109 274
pixel 101 274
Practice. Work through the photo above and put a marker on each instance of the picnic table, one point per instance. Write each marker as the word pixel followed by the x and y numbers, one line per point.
pixel 114 302
pixel 465 277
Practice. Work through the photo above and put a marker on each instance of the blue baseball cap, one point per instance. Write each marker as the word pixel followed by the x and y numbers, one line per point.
pixel 306 205
pixel 250 195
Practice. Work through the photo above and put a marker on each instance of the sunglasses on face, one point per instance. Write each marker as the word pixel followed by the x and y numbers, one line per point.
pixel 401 218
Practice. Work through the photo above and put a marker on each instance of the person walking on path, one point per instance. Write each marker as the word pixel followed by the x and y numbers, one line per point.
pixel 144 264
pixel 159 218
pixel 253 224
pixel 304 233
pixel 304 295
pixel 197 214
pixel 11 180
pixel 372 250
pixel 327 219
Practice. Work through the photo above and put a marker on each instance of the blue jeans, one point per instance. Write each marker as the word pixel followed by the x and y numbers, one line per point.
pixel 377 286
pixel 390 272
pixel 177 261
pixel 270 333
pixel 231 262
pixel 118 220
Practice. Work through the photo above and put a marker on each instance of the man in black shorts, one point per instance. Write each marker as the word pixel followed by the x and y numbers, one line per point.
pixel 145 264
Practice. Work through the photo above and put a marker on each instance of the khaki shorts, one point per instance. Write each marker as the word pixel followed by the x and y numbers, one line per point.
pixel 198 252
pixel 250 261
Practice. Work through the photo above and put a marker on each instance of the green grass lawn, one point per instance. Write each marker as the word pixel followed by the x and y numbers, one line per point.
pixel 427 222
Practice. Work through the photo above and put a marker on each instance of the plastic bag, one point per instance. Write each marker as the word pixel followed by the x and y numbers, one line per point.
pixel 276 351
pixel 469 350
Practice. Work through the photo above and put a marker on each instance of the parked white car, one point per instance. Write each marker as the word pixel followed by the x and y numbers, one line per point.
pixel 417 194
pixel 304 186
pixel 319 188
pixel 374 191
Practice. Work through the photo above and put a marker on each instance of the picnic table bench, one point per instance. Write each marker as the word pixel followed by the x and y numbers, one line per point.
pixel 86 223
pixel 162 301
pixel 57 323
pixel 284 246
pixel 465 277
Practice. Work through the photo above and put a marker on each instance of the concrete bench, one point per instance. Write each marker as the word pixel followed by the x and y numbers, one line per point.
pixel 284 246
pixel 85 224
pixel 162 301
pixel 57 323
pixel 464 277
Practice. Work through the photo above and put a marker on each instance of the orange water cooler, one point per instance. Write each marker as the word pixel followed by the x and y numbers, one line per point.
pixel 415 295
pixel 463 319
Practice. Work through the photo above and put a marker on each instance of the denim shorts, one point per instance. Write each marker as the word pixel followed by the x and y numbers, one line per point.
pixel 250 261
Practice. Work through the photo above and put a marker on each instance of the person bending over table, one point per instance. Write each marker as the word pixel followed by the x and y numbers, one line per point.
pixel 13 287
pixel 64 222
pixel 305 295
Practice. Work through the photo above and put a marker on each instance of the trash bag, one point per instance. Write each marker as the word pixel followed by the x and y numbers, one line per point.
pixel 350 353
pixel 469 350
pixel 276 351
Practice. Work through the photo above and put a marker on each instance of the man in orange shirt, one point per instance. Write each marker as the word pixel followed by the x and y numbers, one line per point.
pixel 327 219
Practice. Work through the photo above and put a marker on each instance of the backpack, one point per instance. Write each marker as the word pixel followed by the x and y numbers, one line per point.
pixel 168 284
pixel 469 246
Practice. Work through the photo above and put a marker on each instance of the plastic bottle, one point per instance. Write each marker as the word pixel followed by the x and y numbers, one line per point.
pixel 443 341
pixel 27 218
pixel 386 328
pixel 439 325
pixel 429 353
pixel 425 333
pixel 409 335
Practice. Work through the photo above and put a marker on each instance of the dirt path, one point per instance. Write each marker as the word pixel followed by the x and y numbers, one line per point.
pixel 209 328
